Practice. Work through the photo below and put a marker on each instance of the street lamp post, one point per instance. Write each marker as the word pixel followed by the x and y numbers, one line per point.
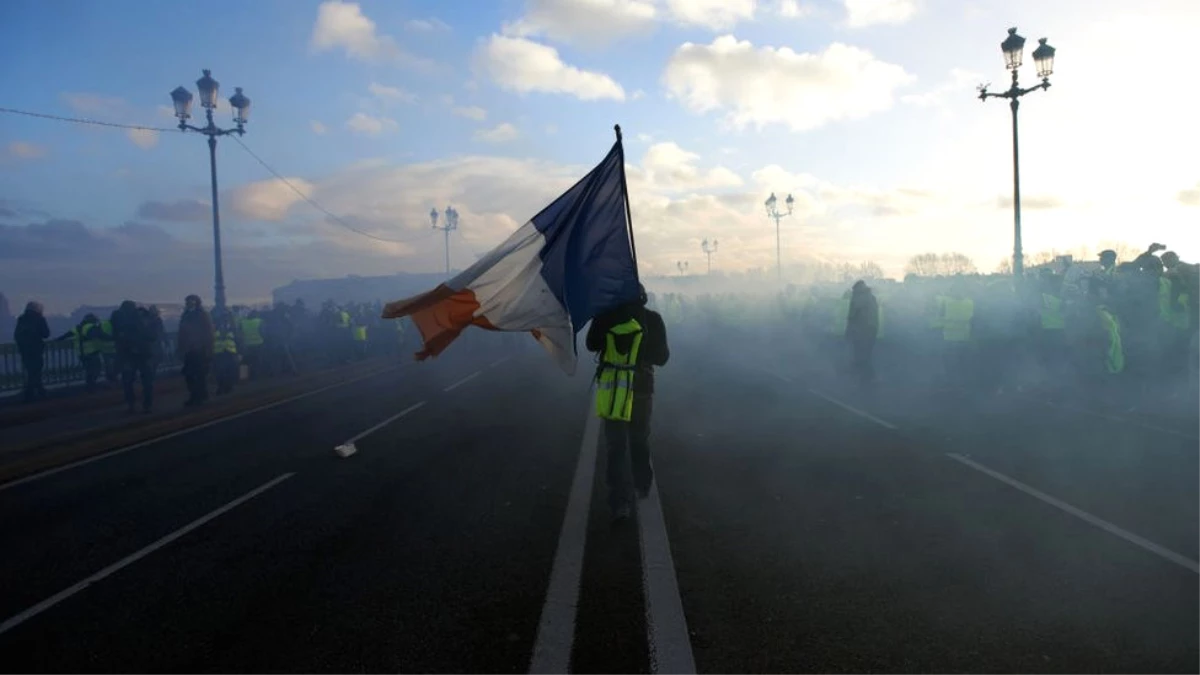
pixel 681 266
pixel 709 249
pixel 1043 58
pixel 448 226
pixel 182 99
pixel 773 212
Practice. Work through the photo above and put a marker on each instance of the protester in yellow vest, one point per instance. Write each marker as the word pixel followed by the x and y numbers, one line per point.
pixel 630 341
pixel 252 342
pixel 225 354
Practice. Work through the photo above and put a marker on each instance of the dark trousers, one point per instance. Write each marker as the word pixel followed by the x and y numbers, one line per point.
pixel 629 453
pixel 225 368
pixel 863 350
pixel 32 365
pixel 92 365
pixel 195 372
pixel 141 369
pixel 252 357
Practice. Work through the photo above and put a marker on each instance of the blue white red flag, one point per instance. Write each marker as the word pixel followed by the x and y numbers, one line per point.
pixel 568 264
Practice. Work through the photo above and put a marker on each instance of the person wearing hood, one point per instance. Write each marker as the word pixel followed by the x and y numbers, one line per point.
pixel 629 341
pixel 195 348
pixel 30 335
pixel 136 336
pixel 862 329
pixel 88 338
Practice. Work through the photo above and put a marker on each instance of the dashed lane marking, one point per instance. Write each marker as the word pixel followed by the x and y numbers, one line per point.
pixel 130 559
pixel 386 422
pixel 463 381
pixel 856 411
pixel 1164 553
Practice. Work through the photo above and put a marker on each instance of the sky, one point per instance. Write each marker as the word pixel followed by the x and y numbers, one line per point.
pixel 864 110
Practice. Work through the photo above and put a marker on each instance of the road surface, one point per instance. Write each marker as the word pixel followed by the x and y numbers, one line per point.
pixel 796 525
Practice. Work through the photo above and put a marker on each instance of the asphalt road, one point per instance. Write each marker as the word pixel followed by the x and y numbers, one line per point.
pixel 797 525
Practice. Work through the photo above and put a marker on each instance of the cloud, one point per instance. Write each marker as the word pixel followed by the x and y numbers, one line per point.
pixel 957 85
pixel 318 128
pixel 472 112
pixel 593 23
pixel 426 25
pixel 342 25
pixel 95 104
pixel 862 13
pixel 1030 202
pixel 363 123
pixel 143 138
pixel 669 167
pixel 711 14
pixel 779 86
pixel 24 150
pixel 1190 196
pixel 268 200
pixel 179 211
pixel 501 133
pixel 551 129
pixel 390 93
pixel 520 65
pixel 792 9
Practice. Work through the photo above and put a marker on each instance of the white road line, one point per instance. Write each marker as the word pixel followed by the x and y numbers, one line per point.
pixel 386 422
pixel 1130 537
pixel 129 560
pixel 174 434
pixel 463 381
pixel 499 361
pixel 666 625
pixel 856 411
pixel 556 628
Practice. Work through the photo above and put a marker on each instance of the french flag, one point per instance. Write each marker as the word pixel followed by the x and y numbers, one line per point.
pixel 571 262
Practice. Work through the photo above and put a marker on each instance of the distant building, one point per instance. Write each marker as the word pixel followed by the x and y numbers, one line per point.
pixel 357 289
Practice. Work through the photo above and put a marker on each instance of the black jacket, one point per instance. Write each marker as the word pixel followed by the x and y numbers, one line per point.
pixel 654 350
pixel 30 334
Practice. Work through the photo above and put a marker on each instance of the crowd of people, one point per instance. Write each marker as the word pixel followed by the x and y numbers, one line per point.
pixel 1120 330
pixel 221 347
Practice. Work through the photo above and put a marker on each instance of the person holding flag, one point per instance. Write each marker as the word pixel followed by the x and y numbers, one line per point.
pixel 571 263
pixel 629 341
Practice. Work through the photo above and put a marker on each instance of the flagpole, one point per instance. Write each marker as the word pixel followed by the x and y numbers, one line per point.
pixel 625 194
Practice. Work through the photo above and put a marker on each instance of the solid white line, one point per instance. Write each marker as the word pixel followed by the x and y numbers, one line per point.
pixel 463 381
pixel 556 628
pixel 1130 537
pixel 158 439
pixel 498 362
pixel 666 625
pixel 386 422
pixel 129 560
pixel 856 411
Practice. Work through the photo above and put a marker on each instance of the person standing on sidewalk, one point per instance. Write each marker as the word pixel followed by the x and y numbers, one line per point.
pixel 136 337
pixel 629 341
pixel 195 348
pixel 30 335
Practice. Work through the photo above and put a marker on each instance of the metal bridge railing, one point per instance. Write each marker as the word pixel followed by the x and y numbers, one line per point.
pixel 62 364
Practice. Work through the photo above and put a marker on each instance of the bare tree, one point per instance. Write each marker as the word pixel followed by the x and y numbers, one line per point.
pixel 924 265
pixel 1005 266
pixel 957 263
pixel 870 270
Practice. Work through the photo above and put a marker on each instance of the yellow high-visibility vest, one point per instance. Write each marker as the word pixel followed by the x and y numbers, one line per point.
pixel 1052 314
pixel 1114 356
pixel 614 383
pixel 956 322
pixel 252 332
pixel 360 333
pixel 225 343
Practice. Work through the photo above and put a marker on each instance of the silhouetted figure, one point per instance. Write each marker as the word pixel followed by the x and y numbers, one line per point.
pixel 225 353
pixel 862 329
pixel 630 341
pixel 137 335
pixel 195 348
pixel 30 335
